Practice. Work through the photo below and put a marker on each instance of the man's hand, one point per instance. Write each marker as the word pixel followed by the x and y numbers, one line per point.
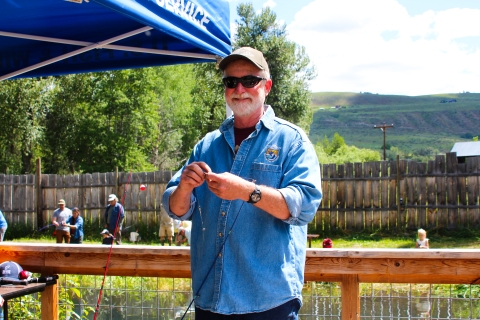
pixel 192 176
pixel 228 186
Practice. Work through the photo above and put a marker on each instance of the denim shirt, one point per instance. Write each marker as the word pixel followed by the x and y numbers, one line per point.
pixel 262 262
pixel 79 227
pixel 117 209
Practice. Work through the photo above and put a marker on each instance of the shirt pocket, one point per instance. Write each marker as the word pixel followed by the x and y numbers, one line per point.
pixel 266 174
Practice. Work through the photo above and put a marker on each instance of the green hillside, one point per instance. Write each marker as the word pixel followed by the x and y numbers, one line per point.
pixel 419 122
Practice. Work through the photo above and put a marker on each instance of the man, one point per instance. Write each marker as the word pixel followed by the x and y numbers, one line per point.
pixel 166 227
pixel 250 189
pixel 59 219
pixel 114 215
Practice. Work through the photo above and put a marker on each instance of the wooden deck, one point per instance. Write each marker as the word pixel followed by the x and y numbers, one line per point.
pixel 348 266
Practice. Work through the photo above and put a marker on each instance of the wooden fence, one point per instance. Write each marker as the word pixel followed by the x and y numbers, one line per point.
pixel 399 194
pixel 31 199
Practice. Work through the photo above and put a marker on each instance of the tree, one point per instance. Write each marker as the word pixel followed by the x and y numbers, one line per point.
pixel 289 65
pixel 337 151
pixel 130 119
pixel 208 100
pixel 23 105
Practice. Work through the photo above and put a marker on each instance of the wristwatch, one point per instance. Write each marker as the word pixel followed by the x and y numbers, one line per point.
pixel 255 196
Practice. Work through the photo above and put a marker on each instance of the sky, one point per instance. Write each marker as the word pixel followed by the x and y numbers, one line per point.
pixel 401 47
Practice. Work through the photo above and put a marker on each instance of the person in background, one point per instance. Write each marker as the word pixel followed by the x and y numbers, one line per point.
pixel 184 233
pixel 59 219
pixel 75 223
pixel 166 227
pixel 107 237
pixel 327 243
pixel 422 241
pixel 3 225
pixel 114 213
pixel 250 188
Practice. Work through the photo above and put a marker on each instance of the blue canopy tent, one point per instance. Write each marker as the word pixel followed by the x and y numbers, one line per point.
pixel 55 37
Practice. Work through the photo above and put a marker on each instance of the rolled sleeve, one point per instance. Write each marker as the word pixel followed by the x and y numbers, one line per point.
pixel 166 204
pixel 302 180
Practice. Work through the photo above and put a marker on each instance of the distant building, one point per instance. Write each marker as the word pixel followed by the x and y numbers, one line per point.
pixel 465 150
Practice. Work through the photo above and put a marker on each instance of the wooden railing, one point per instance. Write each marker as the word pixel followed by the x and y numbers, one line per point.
pixel 350 267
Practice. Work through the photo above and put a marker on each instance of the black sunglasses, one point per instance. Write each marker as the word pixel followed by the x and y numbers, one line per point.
pixel 247 81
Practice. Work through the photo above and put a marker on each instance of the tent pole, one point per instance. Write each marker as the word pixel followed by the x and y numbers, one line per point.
pixel 75 52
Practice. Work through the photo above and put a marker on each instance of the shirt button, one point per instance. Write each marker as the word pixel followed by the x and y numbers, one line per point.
pixel 219 254
pixel 223 213
pixel 220 234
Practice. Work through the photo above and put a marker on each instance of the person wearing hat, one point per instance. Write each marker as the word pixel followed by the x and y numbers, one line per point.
pixel 59 219
pixel 107 237
pixel 114 215
pixel 250 189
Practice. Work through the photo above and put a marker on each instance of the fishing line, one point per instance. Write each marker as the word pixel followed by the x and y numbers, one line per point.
pixel 214 260
pixel 97 307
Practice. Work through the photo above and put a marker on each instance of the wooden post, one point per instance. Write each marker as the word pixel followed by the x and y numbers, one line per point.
pixel 49 300
pixel 38 194
pixel 350 297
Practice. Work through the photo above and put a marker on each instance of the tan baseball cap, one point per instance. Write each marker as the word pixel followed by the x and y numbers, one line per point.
pixel 253 55
pixel 61 201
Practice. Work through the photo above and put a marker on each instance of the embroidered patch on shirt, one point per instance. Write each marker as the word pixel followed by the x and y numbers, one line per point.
pixel 272 153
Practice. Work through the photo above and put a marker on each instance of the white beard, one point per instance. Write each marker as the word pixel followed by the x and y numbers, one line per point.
pixel 243 109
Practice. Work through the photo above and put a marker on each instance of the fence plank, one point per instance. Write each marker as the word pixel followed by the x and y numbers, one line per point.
pixel 422 195
pixel 472 192
pixel 94 199
pixel 385 224
pixel 2 191
pixel 431 196
pixel 442 214
pixel 31 205
pixel 323 216
pixel 462 196
pixel 376 223
pixel 349 198
pixel 411 195
pixel 332 172
pixel 367 194
pixel 16 189
pixel 87 195
pixel 341 196
pixel 359 212
pixel 402 169
pixel 8 201
pixel 452 191
pixel 392 196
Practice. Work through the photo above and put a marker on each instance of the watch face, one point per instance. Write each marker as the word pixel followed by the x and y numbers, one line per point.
pixel 255 197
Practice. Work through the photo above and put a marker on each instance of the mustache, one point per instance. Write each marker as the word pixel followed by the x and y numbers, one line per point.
pixel 240 96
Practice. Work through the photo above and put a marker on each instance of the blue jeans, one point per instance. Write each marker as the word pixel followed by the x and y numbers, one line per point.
pixel 287 311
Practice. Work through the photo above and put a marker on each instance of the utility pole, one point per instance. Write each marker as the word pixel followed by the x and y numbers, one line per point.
pixel 384 127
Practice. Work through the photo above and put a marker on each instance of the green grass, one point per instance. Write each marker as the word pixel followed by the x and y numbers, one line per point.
pixel 419 122
pixel 439 239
